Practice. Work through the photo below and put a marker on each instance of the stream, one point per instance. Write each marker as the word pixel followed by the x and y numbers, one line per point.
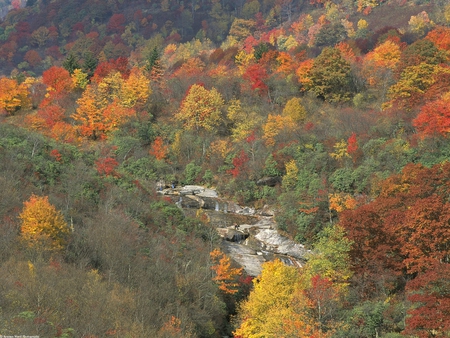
pixel 249 236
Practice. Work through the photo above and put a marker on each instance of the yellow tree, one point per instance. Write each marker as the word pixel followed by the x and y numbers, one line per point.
pixel 243 123
pixel 295 110
pixel 269 311
pixel 135 90
pixel 13 96
pixel 42 224
pixel 200 109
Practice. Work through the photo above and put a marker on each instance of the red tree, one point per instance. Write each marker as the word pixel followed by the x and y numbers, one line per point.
pixel 256 75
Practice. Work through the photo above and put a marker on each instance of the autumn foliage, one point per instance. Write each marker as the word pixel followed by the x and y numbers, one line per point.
pixel 42 224
pixel 224 275
pixel 13 96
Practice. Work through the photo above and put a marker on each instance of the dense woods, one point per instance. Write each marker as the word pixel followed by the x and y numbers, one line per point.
pixel 341 105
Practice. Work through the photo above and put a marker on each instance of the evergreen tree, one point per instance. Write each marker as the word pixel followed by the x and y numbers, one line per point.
pixel 152 60
pixel 90 64
pixel 71 63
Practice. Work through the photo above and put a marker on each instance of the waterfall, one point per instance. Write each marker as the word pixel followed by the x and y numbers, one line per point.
pixel 178 204
pixel 216 208
pixel 225 208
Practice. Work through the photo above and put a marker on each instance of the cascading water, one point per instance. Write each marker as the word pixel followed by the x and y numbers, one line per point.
pixel 216 208
pixel 178 204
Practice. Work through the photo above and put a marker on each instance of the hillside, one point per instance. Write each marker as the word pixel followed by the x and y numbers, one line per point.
pixel 331 114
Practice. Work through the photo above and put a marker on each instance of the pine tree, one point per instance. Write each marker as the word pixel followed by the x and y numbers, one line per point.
pixel 71 63
pixel 90 64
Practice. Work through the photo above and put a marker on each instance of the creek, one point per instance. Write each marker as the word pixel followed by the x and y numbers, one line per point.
pixel 249 236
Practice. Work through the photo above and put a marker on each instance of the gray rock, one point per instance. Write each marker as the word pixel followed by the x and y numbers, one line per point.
pixel 277 243
pixel 246 257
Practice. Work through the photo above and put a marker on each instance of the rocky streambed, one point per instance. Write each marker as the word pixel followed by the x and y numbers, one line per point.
pixel 249 236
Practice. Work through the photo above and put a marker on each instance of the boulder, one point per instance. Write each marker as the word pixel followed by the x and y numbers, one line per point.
pixel 277 243
pixel 269 181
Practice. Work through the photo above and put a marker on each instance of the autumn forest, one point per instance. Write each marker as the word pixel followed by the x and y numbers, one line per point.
pixel 333 113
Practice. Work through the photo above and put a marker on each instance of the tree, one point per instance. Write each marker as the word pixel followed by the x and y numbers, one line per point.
pixel 434 117
pixel 201 109
pixel 71 63
pixel 104 106
pixel 421 51
pixel 96 118
pixel 295 110
pixel 440 36
pixel 224 275
pixel 272 128
pixel 266 310
pixel 42 224
pixel 90 64
pixel 57 80
pixel 331 257
pixel 13 96
pixel 414 81
pixel 330 77
pixel 430 314
pixel 40 36
pixel 405 229
pixel 116 23
pixel 158 149
pixel 152 60
pixel 33 58
pixel 257 76
pixel 385 55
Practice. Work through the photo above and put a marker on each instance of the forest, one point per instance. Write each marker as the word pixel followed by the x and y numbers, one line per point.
pixel 335 113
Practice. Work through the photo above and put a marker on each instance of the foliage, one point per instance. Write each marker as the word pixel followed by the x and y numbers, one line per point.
pixel 42 224
pixel 266 310
pixel 335 105
pixel 13 96
pixel 225 276
pixel 200 109
pixel 330 77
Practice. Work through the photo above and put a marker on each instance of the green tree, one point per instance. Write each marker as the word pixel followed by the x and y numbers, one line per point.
pixel 90 64
pixel 331 77
pixel 331 257
pixel 71 63
pixel 152 60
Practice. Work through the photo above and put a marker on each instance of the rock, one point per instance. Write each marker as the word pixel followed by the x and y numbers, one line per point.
pixel 190 202
pixel 269 181
pixel 244 256
pixel 246 211
pixel 267 211
pixel 191 190
pixel 232 235
pixel 277 243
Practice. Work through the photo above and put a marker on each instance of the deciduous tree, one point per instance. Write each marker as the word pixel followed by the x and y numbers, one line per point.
pixel 201 109
pixel 42 224
pixel 224 275
pixel 330 77
pixel 13 96
pixel 434 117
